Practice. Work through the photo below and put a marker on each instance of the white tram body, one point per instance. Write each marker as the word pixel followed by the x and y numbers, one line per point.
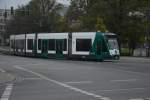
pixel 82 36
pixel 52 36
pixel 85 45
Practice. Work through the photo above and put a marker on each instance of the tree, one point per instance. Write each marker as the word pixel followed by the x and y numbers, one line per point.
pixel 84 12
pixel 75 13
pixel 37 16
pixel 100 25
pixel 114 16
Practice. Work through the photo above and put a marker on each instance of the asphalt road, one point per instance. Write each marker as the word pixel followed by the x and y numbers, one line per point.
pixel 49 79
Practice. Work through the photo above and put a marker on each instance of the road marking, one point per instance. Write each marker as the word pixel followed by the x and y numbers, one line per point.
pixel 123 69
pixel 131 72
pixel 32 78
pixel 137 99
pixel 63 84
pixel 105 98
pixel 80 82
pixel 147 98
pixel 63 68
pixel 7 92
pixel 2 70
pixel 35 64
pixel 127 80
pixel 111 90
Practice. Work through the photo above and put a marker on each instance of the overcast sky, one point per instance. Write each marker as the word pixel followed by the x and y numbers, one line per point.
pixel 8 3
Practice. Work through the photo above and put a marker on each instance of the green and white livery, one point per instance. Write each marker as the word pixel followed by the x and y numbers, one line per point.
pixel 78 45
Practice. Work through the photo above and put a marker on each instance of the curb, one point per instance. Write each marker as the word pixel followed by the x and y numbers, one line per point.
pixel 4 50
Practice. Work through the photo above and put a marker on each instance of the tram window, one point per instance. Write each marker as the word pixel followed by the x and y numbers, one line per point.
pixel 83 44
pixel 21 44
pixel 51 45
pixel 30 44
pixel 12 44
pixel 113 43
pixel 39 44
pixel 17 44
pixel 65 45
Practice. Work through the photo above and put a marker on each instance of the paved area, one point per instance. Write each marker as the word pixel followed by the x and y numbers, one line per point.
pixel 6 78
pixel 48 79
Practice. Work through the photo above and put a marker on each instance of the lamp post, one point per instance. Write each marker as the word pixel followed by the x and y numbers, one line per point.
pixel 147 18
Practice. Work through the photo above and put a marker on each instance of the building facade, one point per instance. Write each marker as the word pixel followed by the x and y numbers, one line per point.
pixel 5 16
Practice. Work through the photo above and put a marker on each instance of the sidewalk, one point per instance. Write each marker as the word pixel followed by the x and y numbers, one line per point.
pixel 4 49
pixel 6 78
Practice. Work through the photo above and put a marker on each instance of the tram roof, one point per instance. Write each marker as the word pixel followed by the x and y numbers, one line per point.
pixel 109 34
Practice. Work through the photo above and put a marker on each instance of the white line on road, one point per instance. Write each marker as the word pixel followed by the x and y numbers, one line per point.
pixel 63 84
pixel 7 92
pixel 130 89
pixel 137 99
pixel 2 70
pixel 148 98
pixel 32 78
pixel 80 82
pixel 127 80
pixel 132 72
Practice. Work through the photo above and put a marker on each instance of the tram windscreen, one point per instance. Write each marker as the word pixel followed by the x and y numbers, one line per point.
pixel 113 43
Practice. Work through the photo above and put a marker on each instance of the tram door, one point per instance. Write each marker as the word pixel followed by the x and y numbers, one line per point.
pixel 44 47
pixel 59 48
pixel 99 47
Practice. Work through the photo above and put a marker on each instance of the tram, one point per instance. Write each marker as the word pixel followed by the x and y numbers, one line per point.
pixel 77 45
